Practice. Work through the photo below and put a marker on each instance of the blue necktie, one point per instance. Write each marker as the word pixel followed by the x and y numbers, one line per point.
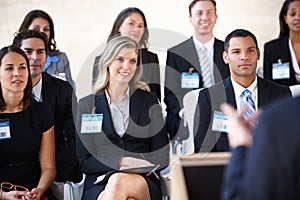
pixel 247 100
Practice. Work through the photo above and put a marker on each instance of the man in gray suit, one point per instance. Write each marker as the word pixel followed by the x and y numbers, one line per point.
pixel 241 53
pixel 184 64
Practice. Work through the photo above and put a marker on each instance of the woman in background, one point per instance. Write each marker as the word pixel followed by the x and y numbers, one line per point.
pixel 27 133
pixel 282 55
pixel 57 63
pixel 131 22
pixel 121 126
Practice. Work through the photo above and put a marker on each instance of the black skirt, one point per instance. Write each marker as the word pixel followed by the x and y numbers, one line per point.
pixel 152 182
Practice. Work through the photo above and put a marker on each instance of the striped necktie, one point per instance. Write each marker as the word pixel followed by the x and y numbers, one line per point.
pixel 247 100
pixel 205 66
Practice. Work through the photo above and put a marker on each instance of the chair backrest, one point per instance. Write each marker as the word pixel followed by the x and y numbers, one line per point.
pixel 198 176
pixel 190 101
pixel 295 89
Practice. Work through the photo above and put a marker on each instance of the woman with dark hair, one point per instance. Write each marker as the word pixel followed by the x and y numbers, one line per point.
pixel 131 22
pixel 57 63
pixel 27 132
pixel 282 55
pixel 132 133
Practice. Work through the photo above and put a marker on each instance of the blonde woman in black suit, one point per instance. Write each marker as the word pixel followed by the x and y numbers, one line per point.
pixel 130 131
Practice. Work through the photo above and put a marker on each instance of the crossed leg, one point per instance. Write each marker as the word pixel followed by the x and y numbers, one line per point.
pixel 125 186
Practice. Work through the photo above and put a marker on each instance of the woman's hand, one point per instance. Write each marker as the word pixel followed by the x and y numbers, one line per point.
pixel 35 194
pixel 130 162
pixel 14 195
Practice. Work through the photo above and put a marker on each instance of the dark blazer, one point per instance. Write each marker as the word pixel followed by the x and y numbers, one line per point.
pixel 274 50
pixel 59 95
pixel 270 168
pixel 210 100
pixel 151 71
pixel 99 153
pixel 180 59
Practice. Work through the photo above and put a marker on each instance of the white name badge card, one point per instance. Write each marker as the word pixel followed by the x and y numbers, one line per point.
pixel 190 80
pixel 280 71
pixel 91 123
pixel 4 130
pixel 220 122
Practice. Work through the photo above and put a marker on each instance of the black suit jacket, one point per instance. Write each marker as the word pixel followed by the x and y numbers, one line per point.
pixel 210 100
pixel 59 95
pixel 274 50
pixel 270 168
pixel 151 71
pixel 99 153
pixel 180 59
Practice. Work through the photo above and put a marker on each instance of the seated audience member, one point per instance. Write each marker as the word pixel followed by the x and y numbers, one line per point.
pixel 59 95
pixel 282 55
pixel 27 165
pixel 194 63
pixel 241 53
pixel 265 166
pixel 121 126
pixel 132 22
pixel 57 63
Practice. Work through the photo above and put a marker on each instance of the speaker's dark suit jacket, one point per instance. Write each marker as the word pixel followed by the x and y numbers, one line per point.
pixel 180 59
pixel 151 71
pixel 274 50
pixel 270 168
pixel 210 100
pixel 146 134
pixel 59 95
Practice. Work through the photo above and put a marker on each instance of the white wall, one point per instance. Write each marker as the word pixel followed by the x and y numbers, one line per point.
pixel 81 26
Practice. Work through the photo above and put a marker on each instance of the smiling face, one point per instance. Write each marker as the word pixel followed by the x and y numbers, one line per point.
pixel 242 58
pixel 13 73
pixel 133 26
pixel 203 18
pixel 123 67
pixel 292 19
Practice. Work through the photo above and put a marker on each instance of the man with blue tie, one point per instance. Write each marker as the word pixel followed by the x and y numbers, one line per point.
pixel 243 87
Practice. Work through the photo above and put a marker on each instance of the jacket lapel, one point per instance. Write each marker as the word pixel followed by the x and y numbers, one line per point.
pixel 103 107
pixel 230 95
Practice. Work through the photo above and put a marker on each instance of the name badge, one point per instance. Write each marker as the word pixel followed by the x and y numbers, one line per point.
pixel 91 123
pixel 4 129
pixel 220 122
pixel 280 70
pixel 61 76
pixel 190 80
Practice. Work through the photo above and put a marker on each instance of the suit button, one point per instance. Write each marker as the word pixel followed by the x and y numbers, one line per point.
pixel 121 141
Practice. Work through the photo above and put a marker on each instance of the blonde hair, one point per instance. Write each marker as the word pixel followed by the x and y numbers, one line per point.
pixel 112 49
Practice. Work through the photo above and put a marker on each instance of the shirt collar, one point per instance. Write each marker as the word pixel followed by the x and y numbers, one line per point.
pixel 238 89
pixel 37 91
pixel 109 100
pixel 208 45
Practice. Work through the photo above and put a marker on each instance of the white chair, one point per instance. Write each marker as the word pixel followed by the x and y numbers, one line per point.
pixel 190 101
pixel 295 89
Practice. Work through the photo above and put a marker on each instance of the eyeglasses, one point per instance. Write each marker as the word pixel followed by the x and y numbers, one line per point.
pixel 6 186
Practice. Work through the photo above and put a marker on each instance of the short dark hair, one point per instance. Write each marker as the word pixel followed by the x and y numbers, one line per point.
pixel 51 44
pixel 119 21
pixel 238 33
pixel 195 1
pixel 284 28
pixel 27 98
pixel 26 34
